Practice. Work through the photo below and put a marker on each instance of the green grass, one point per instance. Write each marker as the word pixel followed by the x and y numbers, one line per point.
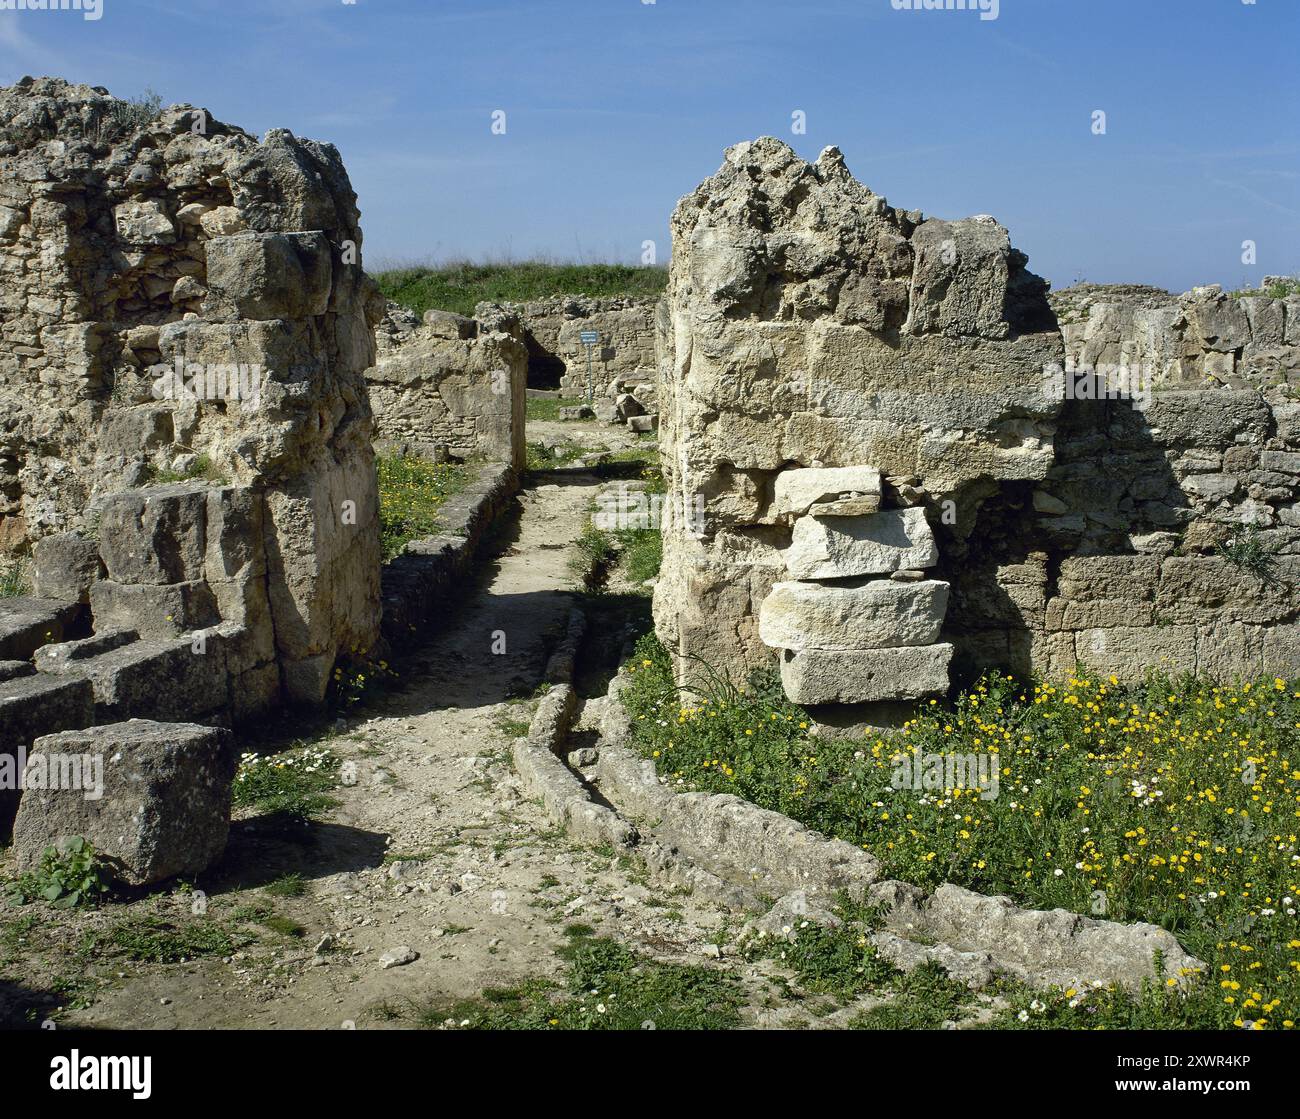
pixel 265 916
pixel 201 469
pixel 411 493
pixel 15 578
pixel 155 940
pixel 1174 802
pixel 606 987
pixel 640 553
pixel 1289 285
pixel 593 552
pixel 547 408
pixel 287 886
pixel 542 457
pixel 460 285
pixel 1247 552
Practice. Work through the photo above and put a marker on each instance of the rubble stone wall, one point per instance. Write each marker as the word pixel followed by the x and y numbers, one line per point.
pixel 446 386
pixel 1166 533
pixel 551 329
pixel 185 435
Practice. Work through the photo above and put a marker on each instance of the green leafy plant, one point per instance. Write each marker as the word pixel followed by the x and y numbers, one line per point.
pixel 68 876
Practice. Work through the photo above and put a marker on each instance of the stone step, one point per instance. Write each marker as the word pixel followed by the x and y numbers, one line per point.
pixel 28 623
pixel 30 706
pixel 59 658
pixel 167 680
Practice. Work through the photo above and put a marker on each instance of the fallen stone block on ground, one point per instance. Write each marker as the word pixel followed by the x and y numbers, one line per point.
pixel 162 808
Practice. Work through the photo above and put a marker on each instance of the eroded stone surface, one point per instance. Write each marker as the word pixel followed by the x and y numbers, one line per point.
pixel 875 615
pixel 164 804
pixel 865 675
pixel 845 547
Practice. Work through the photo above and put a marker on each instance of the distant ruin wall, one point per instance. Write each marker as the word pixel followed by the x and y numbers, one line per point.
pixel 447 386
pixel 552 328
pixel 899 488
pixel 184 304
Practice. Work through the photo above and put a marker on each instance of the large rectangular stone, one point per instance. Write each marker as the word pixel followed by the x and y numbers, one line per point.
pixel 155 535
pixel 827 491
pixel 28 623
pixel 157 804
pixel 155 612
pixel 180 679
pixel 881 614
pixel 269 275
pixel 865 675
pixel 845 547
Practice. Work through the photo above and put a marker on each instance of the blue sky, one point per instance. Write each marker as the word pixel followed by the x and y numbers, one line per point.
pixel 616 108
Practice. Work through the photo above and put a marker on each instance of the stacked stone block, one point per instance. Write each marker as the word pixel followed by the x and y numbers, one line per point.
pixel 857 622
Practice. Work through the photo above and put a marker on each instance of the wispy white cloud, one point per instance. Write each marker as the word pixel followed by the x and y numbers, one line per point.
pixel 23 54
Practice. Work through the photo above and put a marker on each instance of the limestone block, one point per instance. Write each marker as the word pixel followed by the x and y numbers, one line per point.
pixel 144 223
pixel 269 275
pixel 27 623
pixel 844 547
pixel 64 566
pixel 155 535
pixel 164 805
pixel 154 610
pixel 960 279
pixel 875 615
pixel 865 675
pixel 836 491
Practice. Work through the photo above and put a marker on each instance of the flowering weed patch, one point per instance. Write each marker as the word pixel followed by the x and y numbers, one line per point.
pixel 411 491
pixel 296 783
pixel 1176 802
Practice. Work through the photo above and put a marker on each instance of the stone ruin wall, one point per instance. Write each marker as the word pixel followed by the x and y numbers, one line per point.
pixel 447 386
pixel 127 245
pixel 551 329
pixel 1118 561
pixel 895 493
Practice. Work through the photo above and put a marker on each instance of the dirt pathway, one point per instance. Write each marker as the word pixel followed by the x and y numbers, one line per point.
pixel 433 848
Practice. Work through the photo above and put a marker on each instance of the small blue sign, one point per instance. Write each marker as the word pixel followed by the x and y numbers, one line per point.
pixel 590 337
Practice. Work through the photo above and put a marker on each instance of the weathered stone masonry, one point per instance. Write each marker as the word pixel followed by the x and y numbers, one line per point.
pixel 449 386
pixel 131 247
pixel 894 483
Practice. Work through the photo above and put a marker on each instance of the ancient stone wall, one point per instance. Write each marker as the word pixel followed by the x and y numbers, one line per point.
pixel 880 421
pixel 830 365
pixel 185 434
pixel 552 328
pixel 1166 533
pixel 448 386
